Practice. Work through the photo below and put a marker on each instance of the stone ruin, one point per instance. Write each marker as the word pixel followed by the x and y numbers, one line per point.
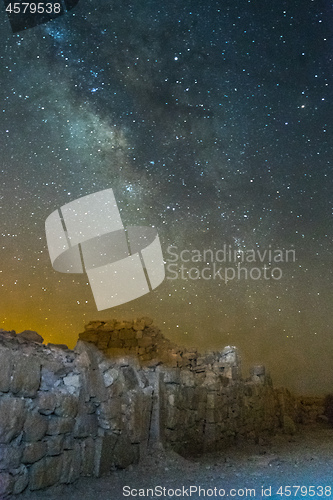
pixel 123 390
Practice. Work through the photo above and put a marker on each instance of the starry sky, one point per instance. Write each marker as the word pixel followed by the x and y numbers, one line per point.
pixel 211 121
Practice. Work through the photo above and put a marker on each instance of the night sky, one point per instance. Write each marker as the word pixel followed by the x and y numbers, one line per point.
pixel 211 121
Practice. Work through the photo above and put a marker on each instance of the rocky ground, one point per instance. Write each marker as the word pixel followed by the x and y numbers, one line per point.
pixel 304 460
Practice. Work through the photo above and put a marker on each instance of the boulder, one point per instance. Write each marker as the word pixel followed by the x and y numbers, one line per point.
pixel 35 427
pixel 12 416
pixel 30 336
pixel 46 472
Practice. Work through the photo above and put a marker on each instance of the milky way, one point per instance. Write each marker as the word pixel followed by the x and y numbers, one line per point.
pixel 212 122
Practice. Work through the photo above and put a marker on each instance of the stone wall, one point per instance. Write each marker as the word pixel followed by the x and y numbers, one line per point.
pixel 65 414
pixel 312 410
pixel 203 402
pixel 123 389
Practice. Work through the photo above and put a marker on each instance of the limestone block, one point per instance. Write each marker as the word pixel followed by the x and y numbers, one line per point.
pixel 68 443
pixel 93 383
pixel 34 452
pixel 49 378
pixel 114 451
pixel 185 397
pixel 35 427
pixel 200 394
pixel 6 369
pixel 30 336
pixel 110 409
pixel 108 325
pixel 148 321
pixel 145 342
pixel 21 479
pixel 59 425
pixel 46 472
pixel 228 372
pixel 117 388
pixel 12 415
pixel 46 402
pixel 171 375
pixel 83 361
pixel 146 410
pixel 89 336
pixel 145 358
pixel 189 358
pixel 71 466
pixel 90 350
pixel 116 352
pixel 104 451
pixel 62 347
pixel 6 484
pixel 171 417
pixel 130 378
pixel 131 344
pixel 110 376
pixel 66 406
pixel 125 453
pixel 87 456
pixel 138 417
pixel 171 399
pixel 26 375
pixel 258 375
pixel 211 400
pixel 55 445
pixel 93 325
pixel 258 370
pixel 151 331
pixel 143 380
pixel 72 382
pixel 139 324
pixel 85 425
pixel 211 381
pixel 174 359
pixel 187 378
pixel 230 355
pixel 105 364
pixel 115 344
pixel 103 340
pixel 119 325
pixel 126 334
pixel 10 456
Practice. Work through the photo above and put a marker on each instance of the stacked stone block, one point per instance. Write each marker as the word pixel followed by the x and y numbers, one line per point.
pixel 123 389
pixel 204 404
pixel 66 414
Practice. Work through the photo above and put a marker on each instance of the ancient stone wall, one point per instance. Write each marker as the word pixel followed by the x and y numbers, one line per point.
pixel 203 402
pixel 123 389
pixel 67 413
